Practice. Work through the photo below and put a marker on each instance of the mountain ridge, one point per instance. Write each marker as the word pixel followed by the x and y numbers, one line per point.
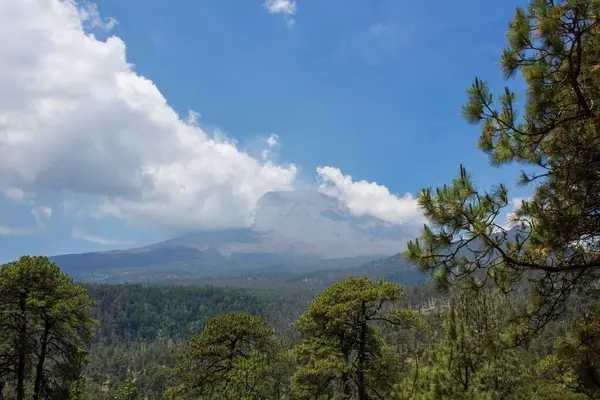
pixel 303 230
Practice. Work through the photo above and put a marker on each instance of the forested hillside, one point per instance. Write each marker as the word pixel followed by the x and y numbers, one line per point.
pixel 131 313
pixel 142 329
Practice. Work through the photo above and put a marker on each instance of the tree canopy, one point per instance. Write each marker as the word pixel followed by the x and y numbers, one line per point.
pixel 235 357
pixel 342 352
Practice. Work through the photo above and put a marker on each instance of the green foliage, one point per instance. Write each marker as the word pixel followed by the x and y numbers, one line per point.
pixel 342 352
pixel 236 356
pixel 143 329
pixel 44 325
pixel 470 360
pixel 574 365
pixel 133 312
pixel 150 363
pixel 554 241
pixel 127 391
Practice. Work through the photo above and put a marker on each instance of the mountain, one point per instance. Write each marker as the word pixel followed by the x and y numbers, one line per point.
pixel 300 230
pixel 395 268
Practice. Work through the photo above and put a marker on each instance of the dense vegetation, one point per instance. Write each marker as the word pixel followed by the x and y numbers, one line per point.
pixel 518 316
pixel 359 339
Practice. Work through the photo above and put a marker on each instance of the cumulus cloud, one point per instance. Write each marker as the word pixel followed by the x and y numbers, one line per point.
pixel 285 7
pixel 77 234
pixel 89 15
pixel 75 117
pixel 369 198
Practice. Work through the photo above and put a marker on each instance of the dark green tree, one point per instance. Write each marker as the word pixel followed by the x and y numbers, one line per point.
pixel 554 244
pixel 342 353
pixel 237 356
pixel 44 325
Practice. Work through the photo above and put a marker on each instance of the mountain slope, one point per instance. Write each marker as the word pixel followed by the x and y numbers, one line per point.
pixel 302 230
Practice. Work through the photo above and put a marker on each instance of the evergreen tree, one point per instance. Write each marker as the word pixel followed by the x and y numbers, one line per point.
pixel 236 356
pixel 574 366
pixel 471 360
pixel 342 354
pixel 555 44
pixel 44 325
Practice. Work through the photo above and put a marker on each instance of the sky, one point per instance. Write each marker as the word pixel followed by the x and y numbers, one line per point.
pixel 123 123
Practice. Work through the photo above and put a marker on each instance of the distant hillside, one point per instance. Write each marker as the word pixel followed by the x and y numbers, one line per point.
pixel 300 230
pixel 395 268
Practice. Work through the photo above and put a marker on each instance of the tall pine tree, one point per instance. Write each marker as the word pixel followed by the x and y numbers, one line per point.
pixel 554 243
pixel 342 353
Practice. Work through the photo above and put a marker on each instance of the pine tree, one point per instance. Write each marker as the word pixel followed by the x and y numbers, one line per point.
pixel 44 325
pixel 554 243
pixel 342 354
pixel 471 360
pixel 236 356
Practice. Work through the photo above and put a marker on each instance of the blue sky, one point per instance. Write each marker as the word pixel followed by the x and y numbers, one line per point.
pixel 370 88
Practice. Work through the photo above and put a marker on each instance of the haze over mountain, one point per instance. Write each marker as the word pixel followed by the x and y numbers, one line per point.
pixel 302 230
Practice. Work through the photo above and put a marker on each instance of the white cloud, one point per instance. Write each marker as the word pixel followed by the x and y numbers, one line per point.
pixel 369 198
pixel 284 7
pixel 77 234
pixel 273 140
pixel 16 194
pixel 281 6
pixel 75 117
pixel 89 15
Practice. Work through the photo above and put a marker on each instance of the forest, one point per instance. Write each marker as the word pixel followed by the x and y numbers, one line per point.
pixel 511 310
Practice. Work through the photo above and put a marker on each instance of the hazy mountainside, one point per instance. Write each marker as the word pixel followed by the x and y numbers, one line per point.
pixel 396 269
pixel 302 230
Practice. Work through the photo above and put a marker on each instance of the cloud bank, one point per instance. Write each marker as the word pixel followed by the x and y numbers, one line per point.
pixel 76 118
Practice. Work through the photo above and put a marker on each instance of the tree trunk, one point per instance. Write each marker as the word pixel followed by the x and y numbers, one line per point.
pixel 362 390
pixel 39 371
pixel 346 375
pixel 2 384
pixel 21 350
